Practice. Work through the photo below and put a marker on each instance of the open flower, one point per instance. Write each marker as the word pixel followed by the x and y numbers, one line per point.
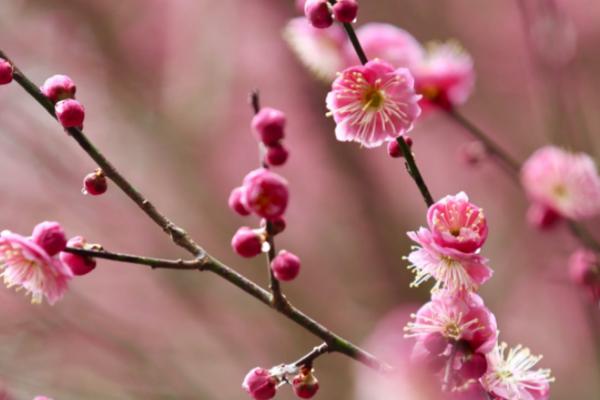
pixel 567 183
pixel 26 264
pixel 373 103
pixel 452 269
pixel 457 223
pixel 510 376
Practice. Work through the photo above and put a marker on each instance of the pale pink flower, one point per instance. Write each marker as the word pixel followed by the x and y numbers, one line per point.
pixel 386 42
pixel 452 269
pixel 510 375
pixel 320 50
pixel 565 182
pixel 445 75
pixel 373 103
pixel 457 223
pixel 27 265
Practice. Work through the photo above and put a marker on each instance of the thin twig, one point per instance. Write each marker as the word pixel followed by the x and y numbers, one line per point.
pixel 413 171
pixel 141 260
pixel 307 360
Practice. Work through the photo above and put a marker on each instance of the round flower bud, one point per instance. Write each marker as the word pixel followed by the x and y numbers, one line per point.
pixel 50 236
pixel 260 384
pixel 235 202
pixel 95 183
pixel 276 155
pixel 79 265
pixel 285 266
pixel 345 10
pixel 59 87
pixel 247 242
pixel 268 125
pixel 318 13
pixel 266 193
pixel 394 150
pixel 6 72
pixel 542 217
pixel 70 113
pixel 305 385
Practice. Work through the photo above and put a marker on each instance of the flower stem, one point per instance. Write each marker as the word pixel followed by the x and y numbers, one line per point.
pixel 307 360
pixel 413 171
pixel 353 39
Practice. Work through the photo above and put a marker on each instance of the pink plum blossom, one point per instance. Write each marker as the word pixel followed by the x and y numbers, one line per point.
pixel 452 269
pixel 25 264
pixel 457 223
pixel 373 103
pixel 510 375
pixel 565 182
pixel 265 193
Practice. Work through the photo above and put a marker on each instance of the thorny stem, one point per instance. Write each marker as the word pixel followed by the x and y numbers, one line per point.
pixel 204 260
pixel 307 360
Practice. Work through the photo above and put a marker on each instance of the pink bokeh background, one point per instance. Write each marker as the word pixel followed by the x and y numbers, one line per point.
pixel 165 85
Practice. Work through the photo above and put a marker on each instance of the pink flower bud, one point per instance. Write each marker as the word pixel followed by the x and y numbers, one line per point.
pixel 59 87
pixel 394 150
pixel 6 72
pixel 542 217
pixel 345 10
pixel 95 183
pixel 584 267
pixel 305 385
pixel 278 225
pixel 79 265
pixel 235 202
pixel 266 193
pixel 268 125
pixel 50 236
pixel 285 266
pixel 247 242
pixel 318 13
pixel 70 113
pixel 259 384
pixel 276 155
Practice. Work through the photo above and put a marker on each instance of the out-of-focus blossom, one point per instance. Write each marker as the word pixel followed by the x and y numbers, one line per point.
pixel 565 182
pixel 445 75
pixel 319 49
pixel 50 236
pixel 457 223
pixel 584 271
pixel 260 384
pixel 373 103
pixel 59 87
pixel 6 72
pixel 510 375
pixel 386 42
pixel 452 269
pixel 42 398
pixel 265 193
pixel 277 155
pixel 27 265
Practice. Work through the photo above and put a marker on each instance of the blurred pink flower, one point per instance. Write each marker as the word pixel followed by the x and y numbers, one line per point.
pixel 584 270
pixel 373 103
pixel 457 223
pixel 510 376
pixel 568 183
pixel 26 264
pixel 452 269
pixel 319 49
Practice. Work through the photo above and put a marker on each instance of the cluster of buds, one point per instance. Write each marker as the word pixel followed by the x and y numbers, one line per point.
pixel 262 384
pixel 60 89
pixel 322 13
pixel 456 334
pixel 39 263
pixel 269 127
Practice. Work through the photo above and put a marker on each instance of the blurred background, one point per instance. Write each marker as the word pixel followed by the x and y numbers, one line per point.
pixel 165 86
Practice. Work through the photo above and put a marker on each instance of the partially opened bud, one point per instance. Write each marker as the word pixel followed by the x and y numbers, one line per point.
pixel 305 384
pixel 260 384
pixel 6 72
pixel 70 113
pixel 80 265
pixel 59 87
pixel 247 242
pixel 50 236
pixel 266 193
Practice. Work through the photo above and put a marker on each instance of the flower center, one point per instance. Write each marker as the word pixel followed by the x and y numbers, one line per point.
pixel 455 232
pixel 452 330
pixel 373 99
pixel 560 190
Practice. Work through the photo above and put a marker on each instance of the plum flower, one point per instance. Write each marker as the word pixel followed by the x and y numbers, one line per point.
pixel 320 50
pixel 373 103
pixel 510 376
pixel 26 264
pixel 567 183
pixel 454 319
pixel 452 269
pixel 457 223
pixel 445 75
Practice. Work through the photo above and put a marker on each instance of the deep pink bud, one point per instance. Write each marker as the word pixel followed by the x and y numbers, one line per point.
pixel 59 87
pixel 278 225
pixel 542 217
pixel 394 150
pixel 50 236
pixel 247 242
pixel 6 72
pixel 70 113
pixel 95 183
pixel 259 384
pixel 345 10
pixel 235 202
pixel 305 385
pixel 318 13
pixel 266 193
pixel 80 265
pixel 268 125
pixel 276 155
pixel 286 266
